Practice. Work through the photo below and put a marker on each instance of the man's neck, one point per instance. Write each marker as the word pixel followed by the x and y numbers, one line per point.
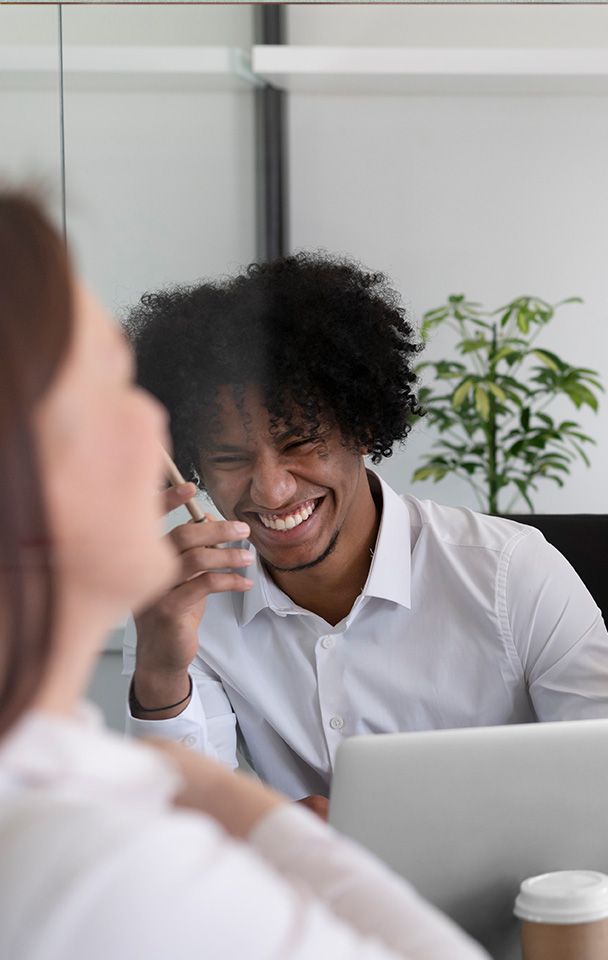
pixel 330 588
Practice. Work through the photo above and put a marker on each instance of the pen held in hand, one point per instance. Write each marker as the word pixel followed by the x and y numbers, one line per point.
pixel 176 478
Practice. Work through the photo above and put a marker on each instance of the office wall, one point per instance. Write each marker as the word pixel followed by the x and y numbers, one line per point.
pixel 131 24
pixel 160 181
pixel 160 178
pixel 492 196
pixel 29 111
pixel 161 187
pixel 161 25
pixel 448 25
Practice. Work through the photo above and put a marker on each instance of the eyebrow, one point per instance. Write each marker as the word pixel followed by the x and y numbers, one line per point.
pixel 233 448
pixel 294 432
pixel 224 448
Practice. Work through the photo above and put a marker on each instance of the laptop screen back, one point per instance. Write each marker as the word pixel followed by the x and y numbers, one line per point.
pixel 466 815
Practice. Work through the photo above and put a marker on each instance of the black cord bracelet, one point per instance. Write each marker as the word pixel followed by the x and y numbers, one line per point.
pixel 137 707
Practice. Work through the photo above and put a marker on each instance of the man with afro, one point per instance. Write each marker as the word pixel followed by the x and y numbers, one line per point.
pixel 324 605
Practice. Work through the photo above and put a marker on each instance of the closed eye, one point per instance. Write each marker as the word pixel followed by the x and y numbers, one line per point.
pixel 302 443
pixel 232 459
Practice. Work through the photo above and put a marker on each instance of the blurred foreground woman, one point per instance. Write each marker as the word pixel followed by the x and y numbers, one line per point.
pixel 113 849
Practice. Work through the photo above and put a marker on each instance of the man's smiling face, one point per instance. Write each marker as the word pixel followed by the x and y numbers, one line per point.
pixel 296 488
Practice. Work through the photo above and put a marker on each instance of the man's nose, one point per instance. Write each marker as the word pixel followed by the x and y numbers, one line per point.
pixel 272 485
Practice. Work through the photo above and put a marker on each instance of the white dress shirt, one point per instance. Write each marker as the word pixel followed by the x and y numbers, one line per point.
pixel 465 620
pixel 96 864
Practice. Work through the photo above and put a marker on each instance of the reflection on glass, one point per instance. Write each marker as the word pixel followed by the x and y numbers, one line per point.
pixel 159 145
pixel 29 99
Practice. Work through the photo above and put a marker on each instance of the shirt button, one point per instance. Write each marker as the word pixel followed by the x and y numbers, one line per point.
pixel 190 740
pixel 336 723
pixel 327 642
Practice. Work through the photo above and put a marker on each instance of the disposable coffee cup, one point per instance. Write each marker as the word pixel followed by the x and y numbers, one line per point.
pixel 564 916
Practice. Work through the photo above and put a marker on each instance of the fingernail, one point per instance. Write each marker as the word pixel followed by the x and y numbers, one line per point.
pixel 183 488
pixel 242 528
pixel 246 558
pixel 248 583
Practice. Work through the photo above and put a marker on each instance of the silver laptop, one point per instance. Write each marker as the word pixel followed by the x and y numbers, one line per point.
pixel 465 815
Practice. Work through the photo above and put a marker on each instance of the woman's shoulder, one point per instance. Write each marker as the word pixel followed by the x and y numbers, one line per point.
pixel 90 839
pixel 71 869
pixel 42 832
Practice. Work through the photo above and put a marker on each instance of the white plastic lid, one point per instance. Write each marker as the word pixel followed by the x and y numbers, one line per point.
pixel 568 896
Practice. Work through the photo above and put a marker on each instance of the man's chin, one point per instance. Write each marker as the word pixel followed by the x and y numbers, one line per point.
pixel 282 563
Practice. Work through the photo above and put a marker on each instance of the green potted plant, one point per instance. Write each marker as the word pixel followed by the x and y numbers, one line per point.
pixel 490 406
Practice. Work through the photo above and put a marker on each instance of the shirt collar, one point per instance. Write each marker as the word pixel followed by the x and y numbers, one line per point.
pixel 389 577
pixel 265 595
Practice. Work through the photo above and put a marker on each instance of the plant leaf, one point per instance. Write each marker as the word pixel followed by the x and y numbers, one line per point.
pixel 549 359
pixel 461 393
pixel 560 303
pixel 523 489
pixel 469 346
pixel 498 392
pixel 482 402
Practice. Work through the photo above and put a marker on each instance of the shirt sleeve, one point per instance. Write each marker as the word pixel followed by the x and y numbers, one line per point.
pixel 207 724
pixel 178 886
pixel 557 631
pixel 358 889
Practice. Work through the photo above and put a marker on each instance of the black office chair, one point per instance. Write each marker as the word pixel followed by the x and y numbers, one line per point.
pixel 583 540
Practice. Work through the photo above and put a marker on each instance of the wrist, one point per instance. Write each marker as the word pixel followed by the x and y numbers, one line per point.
pixel 156 695
pixel 138 707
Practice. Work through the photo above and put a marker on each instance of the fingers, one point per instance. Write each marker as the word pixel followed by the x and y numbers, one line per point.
pixel 191 593
pixel 176 496
pixel 205 559
pixel 189 536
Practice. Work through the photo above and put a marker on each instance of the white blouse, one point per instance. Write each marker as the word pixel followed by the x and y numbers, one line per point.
pixel 96 864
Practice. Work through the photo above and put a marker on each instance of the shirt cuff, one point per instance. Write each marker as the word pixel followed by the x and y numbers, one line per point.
pixel 189 727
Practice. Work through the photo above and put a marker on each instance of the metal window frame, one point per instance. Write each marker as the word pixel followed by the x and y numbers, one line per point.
pixel 271 145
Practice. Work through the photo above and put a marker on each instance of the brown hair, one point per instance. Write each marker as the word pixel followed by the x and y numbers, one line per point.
pixel 35 332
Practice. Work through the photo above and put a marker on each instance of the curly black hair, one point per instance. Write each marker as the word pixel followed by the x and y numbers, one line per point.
pixel 326 341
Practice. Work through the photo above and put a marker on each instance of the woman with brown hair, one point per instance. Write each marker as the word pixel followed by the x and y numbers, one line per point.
pixel 109 848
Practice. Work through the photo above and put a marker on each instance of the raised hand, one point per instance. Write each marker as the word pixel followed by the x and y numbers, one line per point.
pixel 167 632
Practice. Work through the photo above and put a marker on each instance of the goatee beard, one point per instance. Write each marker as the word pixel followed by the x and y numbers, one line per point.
pixel 311 563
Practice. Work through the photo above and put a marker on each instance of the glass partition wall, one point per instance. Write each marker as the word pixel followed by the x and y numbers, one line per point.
pixel 468 157
pixel 139 124
pixel 145 116
pixel 160 118
pixel 30 100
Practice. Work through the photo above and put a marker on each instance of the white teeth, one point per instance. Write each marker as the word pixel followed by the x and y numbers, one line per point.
pixel 289 522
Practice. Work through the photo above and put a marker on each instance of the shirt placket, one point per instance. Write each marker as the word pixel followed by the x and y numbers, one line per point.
pixel 333 705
